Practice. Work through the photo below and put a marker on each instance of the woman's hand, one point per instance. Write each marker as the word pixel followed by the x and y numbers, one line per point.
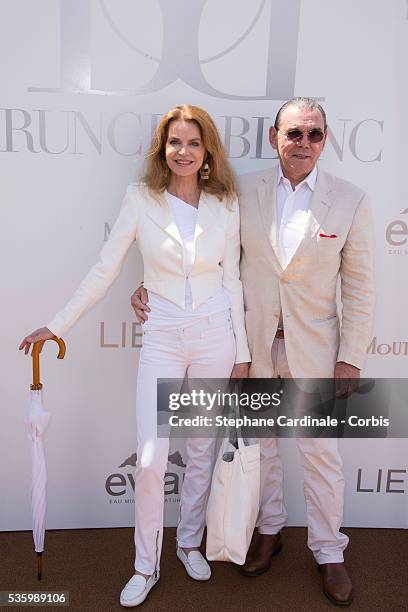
pixel 139 302
pixel 240 370
pixel 43 333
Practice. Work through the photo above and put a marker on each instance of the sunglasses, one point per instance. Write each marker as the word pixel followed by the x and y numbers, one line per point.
pixel 315 135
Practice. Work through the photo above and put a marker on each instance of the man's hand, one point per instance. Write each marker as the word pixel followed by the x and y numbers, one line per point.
pixel 240 370
pixel 139 301
pixel 347 379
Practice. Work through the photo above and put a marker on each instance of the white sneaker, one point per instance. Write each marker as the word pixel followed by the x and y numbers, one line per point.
pixel 195 564
pixel 137 589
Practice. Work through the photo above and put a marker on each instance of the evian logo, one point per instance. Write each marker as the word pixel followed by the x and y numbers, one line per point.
pixel 120 486
pixel 397 235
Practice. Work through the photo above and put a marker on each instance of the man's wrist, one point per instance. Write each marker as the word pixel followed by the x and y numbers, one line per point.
pixel 348 364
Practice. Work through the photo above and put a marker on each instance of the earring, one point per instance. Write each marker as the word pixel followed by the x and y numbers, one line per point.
pixel 205 172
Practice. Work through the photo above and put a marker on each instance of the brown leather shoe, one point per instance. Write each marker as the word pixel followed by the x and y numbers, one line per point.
pixel 260 553
pixel 337 585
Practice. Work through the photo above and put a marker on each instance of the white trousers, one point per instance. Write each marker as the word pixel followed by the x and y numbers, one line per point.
pixel 323 485
pixel 203 350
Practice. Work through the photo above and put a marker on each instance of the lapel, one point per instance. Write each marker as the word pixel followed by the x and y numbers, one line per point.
pixel 206 213
pixel 319 207
pixel 267 205
pixel 161 214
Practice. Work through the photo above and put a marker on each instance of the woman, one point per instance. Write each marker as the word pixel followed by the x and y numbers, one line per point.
pixel 184 217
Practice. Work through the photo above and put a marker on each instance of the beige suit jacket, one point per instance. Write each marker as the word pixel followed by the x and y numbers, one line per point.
pixel 151 224
pixel 316 335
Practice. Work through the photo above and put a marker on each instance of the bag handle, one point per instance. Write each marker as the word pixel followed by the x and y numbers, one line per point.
pixel 234 438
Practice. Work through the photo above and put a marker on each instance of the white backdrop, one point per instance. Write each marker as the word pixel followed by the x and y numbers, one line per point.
pixel 82 85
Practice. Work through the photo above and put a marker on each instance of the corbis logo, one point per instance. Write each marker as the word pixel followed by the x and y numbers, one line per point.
pixel 120 485
pixel 384 480
pixel 396 348
pixel 396 235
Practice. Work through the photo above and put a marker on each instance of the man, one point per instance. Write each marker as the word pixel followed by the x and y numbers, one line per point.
pixel 301 230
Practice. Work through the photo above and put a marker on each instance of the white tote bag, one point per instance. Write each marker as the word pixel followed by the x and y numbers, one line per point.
pixel 233 503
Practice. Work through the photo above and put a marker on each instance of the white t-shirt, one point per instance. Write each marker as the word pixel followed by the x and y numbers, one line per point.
pixel 165 313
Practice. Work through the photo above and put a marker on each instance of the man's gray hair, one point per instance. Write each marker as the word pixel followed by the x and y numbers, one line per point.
pixel 301 102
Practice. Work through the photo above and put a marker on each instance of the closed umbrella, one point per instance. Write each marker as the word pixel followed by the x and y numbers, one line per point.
pixel 38 418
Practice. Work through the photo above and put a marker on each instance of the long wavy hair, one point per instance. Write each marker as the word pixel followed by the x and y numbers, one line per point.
pixel 221 181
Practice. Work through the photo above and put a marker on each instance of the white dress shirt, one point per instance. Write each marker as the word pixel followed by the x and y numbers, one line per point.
pixel 292 212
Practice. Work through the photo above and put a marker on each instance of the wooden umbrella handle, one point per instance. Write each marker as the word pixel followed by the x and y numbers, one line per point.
pixel 37 347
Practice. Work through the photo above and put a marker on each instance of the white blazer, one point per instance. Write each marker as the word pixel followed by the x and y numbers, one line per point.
pixel 152 225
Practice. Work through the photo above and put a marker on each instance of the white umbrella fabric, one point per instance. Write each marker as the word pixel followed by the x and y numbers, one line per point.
pixel 38 419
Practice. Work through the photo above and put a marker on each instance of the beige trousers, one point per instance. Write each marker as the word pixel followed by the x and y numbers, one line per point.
pixel 323 485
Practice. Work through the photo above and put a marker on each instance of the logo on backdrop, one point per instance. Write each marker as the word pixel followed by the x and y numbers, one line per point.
pixel 383 480
pixel 128 134
pixel 396 234
pixel 127 335
pixel 120 485
pixel 396 348
pixel 178 60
